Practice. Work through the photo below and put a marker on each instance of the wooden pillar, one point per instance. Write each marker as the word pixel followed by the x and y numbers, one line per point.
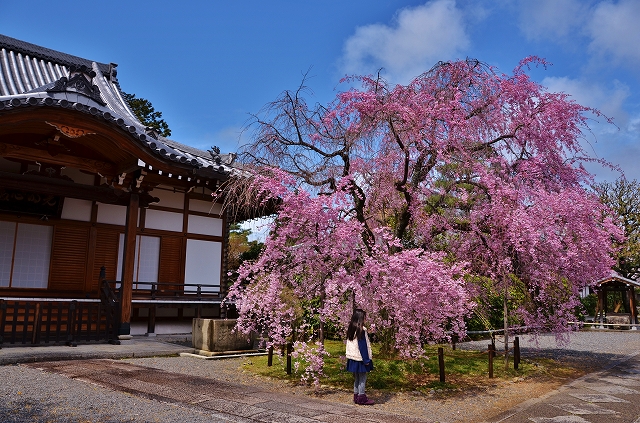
pixel 130 233
pixel 632 305
pixel 151 321
pixel 602 304
pixel 599 306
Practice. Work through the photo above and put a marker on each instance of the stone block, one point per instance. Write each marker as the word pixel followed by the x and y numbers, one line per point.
pixel 618 319
pixel 218 335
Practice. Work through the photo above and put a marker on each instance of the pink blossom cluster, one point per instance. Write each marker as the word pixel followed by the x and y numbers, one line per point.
pixel 311 358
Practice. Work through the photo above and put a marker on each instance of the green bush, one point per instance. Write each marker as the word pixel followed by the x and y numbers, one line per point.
pixel 589 303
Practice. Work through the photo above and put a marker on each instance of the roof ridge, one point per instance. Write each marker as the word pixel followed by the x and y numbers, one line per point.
pixel 182 146
pixel 40 52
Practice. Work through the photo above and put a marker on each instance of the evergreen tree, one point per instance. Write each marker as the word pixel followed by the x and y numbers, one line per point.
pixel 146 114
pixel 623 198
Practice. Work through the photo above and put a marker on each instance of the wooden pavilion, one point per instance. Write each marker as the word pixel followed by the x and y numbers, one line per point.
pixel 622 308
pixel 105 226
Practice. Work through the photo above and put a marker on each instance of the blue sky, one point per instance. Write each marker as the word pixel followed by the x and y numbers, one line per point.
pixel 207 65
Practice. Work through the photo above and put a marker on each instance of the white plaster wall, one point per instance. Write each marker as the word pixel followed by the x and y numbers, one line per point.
pixel 78 176
pixel 112 214
pixel 163 328
pixel 205 206
pixel 169 198
pixel 203 225
pixel 74 209
pixel 167 221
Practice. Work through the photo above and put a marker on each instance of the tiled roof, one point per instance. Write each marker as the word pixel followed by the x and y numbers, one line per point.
pixel 44 54
pixel 34 76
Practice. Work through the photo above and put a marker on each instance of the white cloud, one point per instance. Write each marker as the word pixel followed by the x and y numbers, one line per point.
pixel 552 19
pixel 608 101
pixel 616 144
pixel 610 28
pixel 634 125
pixel 418 38
pixel 621 150
pixel 615 31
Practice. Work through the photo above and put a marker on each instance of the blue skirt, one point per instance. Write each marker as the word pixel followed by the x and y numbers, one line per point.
pixel 354 366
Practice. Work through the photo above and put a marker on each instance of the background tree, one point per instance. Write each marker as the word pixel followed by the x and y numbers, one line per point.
pixel 240 248
pixel 623 198
pixel 398 199
pixel 147 115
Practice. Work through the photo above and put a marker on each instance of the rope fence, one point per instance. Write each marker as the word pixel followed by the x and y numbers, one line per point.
pixel 491 352
pixel 606 325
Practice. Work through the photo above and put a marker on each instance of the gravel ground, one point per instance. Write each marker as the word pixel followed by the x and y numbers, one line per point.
pixel 589 349
pixel 30 395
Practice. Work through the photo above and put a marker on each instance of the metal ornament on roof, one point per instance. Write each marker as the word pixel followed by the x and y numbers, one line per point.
pixel 79 81
pixel 69 131
pixel 215 154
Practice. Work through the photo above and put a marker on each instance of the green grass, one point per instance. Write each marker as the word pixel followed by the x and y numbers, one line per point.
pixel 463 369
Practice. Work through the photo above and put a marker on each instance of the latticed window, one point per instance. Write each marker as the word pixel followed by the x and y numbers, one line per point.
pixel 147 260
pixel 25 255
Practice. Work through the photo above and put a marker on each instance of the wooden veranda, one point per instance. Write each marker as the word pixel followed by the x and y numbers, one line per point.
pixel 55 320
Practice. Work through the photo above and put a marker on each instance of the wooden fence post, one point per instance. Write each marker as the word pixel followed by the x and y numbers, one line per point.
pixel 492 351
pixel 289 351
pixel 25 322
pixel 441 363
pixel 516 352
pixel 270 357
pixel 71 315
pixel 35 336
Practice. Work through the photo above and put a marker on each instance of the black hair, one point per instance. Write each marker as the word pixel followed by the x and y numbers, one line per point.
pixel 355 327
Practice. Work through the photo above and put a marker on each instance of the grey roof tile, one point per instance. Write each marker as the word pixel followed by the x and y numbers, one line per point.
pixel 46 54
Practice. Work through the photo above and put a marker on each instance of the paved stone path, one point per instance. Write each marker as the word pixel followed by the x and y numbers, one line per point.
pixel 609 396
pixel 225 401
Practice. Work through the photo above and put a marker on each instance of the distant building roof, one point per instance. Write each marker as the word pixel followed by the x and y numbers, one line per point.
pixel 34 76
pixel 616 278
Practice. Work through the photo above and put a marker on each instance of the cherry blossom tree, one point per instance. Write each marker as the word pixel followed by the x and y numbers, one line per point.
pixel 396 198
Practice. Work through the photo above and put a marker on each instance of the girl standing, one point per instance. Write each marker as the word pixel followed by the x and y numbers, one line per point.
pixel 359 356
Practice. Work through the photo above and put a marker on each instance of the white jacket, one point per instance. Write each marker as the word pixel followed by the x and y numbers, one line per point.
pixel 353 352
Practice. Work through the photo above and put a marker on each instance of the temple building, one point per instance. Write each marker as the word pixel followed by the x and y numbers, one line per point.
pixel 107 229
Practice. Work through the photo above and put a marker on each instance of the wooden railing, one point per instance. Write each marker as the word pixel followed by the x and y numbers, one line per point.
pixel 165 291
pixel 170 291
pixel 69 321
pixel 56 321
pixel 168 294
